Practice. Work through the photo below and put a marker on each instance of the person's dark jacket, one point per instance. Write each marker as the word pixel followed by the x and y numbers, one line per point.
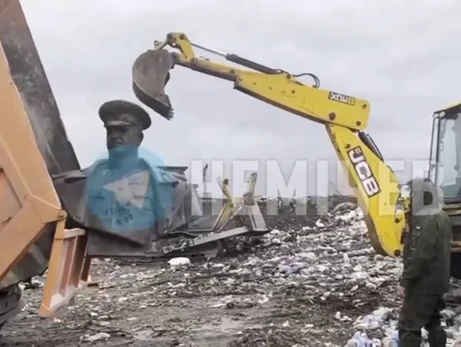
pixel 427 252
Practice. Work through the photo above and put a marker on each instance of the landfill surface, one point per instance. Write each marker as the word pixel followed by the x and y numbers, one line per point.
pixel 314 280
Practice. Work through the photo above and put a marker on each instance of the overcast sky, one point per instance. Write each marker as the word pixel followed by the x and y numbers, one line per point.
pixel 402 56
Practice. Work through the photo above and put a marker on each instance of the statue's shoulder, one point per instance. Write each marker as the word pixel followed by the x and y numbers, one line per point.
pixel 144 163
pixel 97 165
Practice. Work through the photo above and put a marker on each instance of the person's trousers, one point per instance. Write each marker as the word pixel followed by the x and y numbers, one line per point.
pixel 421 311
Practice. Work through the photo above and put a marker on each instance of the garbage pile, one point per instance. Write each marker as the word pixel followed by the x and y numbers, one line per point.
pixel 383 322
pixel 313 281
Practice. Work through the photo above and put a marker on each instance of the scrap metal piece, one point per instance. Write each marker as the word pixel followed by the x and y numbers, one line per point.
pixel 205 239
pixel 150 74
pixel 198 242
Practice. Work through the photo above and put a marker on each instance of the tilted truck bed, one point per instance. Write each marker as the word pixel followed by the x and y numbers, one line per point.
pixel 30 209
pixel 33 145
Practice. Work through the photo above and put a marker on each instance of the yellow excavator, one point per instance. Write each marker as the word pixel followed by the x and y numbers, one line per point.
pixel 42 228
pixel 345 117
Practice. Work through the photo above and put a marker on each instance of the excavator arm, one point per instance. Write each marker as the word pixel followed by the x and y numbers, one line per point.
pixel 344 117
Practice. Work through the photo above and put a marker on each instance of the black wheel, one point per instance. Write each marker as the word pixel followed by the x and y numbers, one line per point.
pixel 10 301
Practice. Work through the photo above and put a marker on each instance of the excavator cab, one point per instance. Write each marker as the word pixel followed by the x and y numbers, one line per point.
pixel 445 157
pixel 445 170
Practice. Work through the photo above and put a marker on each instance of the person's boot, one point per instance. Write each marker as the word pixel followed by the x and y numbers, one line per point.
pixel 437 337
pixel 410 339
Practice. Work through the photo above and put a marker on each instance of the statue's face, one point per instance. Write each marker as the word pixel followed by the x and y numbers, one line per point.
pixel 118 136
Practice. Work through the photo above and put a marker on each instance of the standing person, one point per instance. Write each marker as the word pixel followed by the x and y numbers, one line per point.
pixel 426 260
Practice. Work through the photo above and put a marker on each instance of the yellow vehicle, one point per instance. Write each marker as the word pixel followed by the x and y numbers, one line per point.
pixel 345 118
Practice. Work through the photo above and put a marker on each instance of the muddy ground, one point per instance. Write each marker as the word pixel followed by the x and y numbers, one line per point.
pixel 304 284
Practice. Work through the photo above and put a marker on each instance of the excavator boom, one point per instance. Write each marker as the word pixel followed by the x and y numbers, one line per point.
pixel 273 86
pixel 344 117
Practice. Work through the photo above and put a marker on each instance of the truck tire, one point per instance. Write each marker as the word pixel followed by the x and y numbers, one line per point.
pixel 10 303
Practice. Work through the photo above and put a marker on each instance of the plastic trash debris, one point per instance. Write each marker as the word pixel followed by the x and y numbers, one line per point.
pixel 94 338
pixel 344 206
pixel 374 320
pixel 319 224
pixel 360 340
pixel 180 261
pixel 392 340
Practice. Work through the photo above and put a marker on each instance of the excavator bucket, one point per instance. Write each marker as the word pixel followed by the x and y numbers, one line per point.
pixel 150 76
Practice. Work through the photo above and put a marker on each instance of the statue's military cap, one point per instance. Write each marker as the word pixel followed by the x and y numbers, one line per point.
pixel 121 112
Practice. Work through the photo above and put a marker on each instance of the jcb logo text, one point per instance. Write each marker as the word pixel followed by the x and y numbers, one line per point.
pixel 363 170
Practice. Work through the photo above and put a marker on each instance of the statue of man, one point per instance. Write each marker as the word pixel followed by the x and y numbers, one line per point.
pixel 122 194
